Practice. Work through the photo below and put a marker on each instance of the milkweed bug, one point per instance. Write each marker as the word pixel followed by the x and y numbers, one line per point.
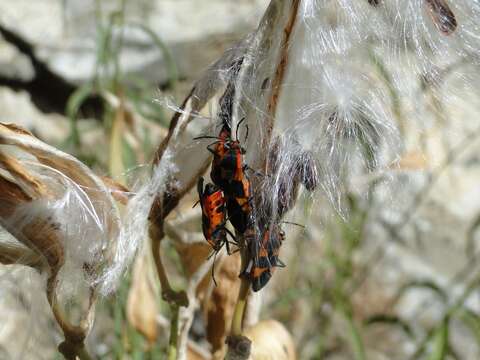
pixel 212 202
pixel 227 164
pixel 264 256
pixel 228 173
pixel 240 213
pixel 228 168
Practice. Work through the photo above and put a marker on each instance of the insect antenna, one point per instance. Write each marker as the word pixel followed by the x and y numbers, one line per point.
pixel 207 137
pixel 230 233
pixel 238 126
pixel 280 263
pixel 213 267
pixel 293 223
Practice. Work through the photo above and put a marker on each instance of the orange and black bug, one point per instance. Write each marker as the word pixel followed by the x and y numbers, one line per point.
pixel 240 212
pixel 264 257
pixel 228 167
pixel 228 173
pixel 213 206
pixel 239 196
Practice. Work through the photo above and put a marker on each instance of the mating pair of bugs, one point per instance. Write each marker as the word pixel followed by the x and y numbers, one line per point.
pixel 231 194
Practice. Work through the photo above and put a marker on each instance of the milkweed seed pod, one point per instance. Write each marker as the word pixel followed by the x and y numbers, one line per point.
pixel 271 340
pixel 64 214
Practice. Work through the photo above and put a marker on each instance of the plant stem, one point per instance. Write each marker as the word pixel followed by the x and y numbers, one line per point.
pixel 177 298
pixel 239 346
pixel 355 338
pixel 162 275
pixel 173 342
pixel 239 311
pixel 83 354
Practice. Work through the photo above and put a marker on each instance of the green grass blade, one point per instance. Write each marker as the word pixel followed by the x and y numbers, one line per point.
pixel 74 103
pixel 171 65
pixel 390 320
pixel 471 321
pixel 354 337
pixel 425 284
pixel 440 343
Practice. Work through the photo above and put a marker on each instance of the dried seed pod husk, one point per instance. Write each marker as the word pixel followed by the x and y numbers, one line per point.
pixel 219 304
pixel 270 341
pixel 56 207
pixel 143 299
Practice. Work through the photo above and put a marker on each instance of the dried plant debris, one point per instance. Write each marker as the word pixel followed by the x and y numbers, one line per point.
pixel 142 302
pixel 63 213
pixel 218 305
pixel 271 341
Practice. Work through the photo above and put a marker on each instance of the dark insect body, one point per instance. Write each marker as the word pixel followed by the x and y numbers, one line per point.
pixel 223 163
pixel 231 193
pixel 229 174
pixel 442 16
pixel 264 256
pixel 228 168
pixel 240 213
pixel 213 206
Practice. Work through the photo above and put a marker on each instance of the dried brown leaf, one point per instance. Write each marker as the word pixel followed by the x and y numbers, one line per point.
pixel 218 307
pixel 18 254
pixel 29 184
pixel 11 195
pixel 40 233
pixel 142 299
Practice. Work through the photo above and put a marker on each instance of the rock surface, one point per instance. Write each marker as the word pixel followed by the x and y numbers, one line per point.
pixel 65 33
pixel 13 64
pixel 16 107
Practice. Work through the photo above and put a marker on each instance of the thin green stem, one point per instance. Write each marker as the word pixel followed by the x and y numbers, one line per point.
pixel 83 354
pixel 173 342
pixel 355 338
pixel 239 311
